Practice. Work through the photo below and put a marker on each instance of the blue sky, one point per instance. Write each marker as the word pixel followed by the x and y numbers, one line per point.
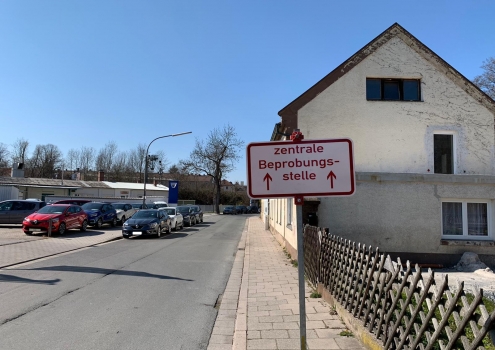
pixel 82 73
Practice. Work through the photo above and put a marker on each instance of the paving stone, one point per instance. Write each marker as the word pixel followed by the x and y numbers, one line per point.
pixel 261 344
pixel 348 343
pixel 274 334
pixel 326 344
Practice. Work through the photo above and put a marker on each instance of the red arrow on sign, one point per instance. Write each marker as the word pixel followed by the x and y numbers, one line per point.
pixel 267 178
pixel 331 176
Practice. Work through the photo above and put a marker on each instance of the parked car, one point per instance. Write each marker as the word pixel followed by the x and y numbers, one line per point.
pixel 176 218
pixel 79 202
pixel 229 210
pixel 253 209
pixel 124 211
pixel 100 213
pixel 187 214
pixel 197 212
pixel 147 222
pixel 63 216
pixel 138 206
pixel 159 204
pixel 242 209
pixel 14 211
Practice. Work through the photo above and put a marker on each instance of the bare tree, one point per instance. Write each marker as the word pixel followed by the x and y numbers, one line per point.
pixel 216 156
pixel 44 161
pixel 72 159
pixel 86 159
pixel 19 151
pixel 106 156
pixel 486 81
pixel 136 159
pixel 4 155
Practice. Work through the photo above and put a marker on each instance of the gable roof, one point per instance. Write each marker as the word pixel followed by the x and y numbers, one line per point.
pixel 289 112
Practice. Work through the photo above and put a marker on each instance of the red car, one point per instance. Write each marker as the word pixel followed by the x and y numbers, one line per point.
pixel 63 216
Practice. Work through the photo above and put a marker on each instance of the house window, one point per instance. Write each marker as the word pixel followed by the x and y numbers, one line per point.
pixel 289 211
pixel 443 153
pixel 393 89
pixel 465 219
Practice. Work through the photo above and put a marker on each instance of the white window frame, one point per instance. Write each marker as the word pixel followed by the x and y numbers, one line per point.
pixel 454 149
pixel 289 212
pixel 465 236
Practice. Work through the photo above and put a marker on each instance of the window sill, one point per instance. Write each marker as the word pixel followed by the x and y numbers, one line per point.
pixel 289 227
pixel 394 100
pixel 480 243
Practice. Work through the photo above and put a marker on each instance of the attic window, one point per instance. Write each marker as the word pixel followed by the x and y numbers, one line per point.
pixel 392 89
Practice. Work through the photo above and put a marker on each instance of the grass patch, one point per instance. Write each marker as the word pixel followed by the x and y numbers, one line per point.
pixel 294 263
pixel 346 333
pixel 315 294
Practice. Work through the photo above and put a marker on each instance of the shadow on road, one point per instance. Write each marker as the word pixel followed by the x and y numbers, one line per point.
pixel 16 279
pixel 176 235
pixel 88 269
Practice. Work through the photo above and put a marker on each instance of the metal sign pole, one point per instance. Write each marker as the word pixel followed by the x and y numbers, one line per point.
pixel 300 270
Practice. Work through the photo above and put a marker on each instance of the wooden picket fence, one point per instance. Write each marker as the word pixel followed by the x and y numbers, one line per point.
pixel 400 306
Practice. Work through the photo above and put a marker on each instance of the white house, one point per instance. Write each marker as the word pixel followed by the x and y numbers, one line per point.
pixel 424 145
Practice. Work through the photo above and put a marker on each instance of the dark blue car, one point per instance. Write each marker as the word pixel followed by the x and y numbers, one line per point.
pixel 147 222
pixel 100 213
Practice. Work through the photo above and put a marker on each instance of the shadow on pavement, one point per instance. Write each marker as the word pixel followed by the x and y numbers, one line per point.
pixel 15 279
pixel 88 269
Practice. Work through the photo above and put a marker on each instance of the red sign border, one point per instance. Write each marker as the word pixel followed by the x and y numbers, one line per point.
pixel 316 194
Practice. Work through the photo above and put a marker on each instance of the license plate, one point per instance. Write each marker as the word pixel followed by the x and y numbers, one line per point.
pixel 34 229
pixel 137 233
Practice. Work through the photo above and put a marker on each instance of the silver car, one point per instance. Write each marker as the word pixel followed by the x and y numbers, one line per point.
pixel 176 218
pixel 14 211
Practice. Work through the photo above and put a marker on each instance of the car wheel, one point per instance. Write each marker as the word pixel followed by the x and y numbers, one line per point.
pixel 201 219
pixel 159 232
pixel 122 220
pixel 84 226
pixel 126 237
pixel 175 229
pixel 61 229
pixel 182 225
pixel 113 223
pixel 99 223
pixel 29 233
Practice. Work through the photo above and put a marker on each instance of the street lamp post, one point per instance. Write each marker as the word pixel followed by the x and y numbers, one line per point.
pixel 146 161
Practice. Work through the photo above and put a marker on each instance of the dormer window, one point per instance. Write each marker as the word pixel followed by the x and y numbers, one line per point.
pixel 392 89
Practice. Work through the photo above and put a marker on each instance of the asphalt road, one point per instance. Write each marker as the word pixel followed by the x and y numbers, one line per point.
pixel 141 293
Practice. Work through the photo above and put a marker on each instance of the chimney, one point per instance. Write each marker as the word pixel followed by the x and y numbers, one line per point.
pixel 101 175
pixel 19 172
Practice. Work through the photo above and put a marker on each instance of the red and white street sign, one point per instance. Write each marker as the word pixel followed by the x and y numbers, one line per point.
pixel 305 168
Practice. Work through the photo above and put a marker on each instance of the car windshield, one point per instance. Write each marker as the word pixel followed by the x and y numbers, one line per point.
pixel 161 205
pixel 183 209
pixel 118 205
pixel 52 209
pixel 92 206
pixel 169 211
pixel 227 208
pixel 142 214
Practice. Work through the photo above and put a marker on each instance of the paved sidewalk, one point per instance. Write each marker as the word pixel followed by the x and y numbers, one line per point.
pixel 260 306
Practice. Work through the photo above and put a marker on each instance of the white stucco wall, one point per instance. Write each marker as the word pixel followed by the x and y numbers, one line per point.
pixel 397 136
pixel 403 212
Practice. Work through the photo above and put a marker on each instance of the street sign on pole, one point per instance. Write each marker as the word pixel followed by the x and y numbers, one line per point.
pixel 296 169
pixel 304 168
